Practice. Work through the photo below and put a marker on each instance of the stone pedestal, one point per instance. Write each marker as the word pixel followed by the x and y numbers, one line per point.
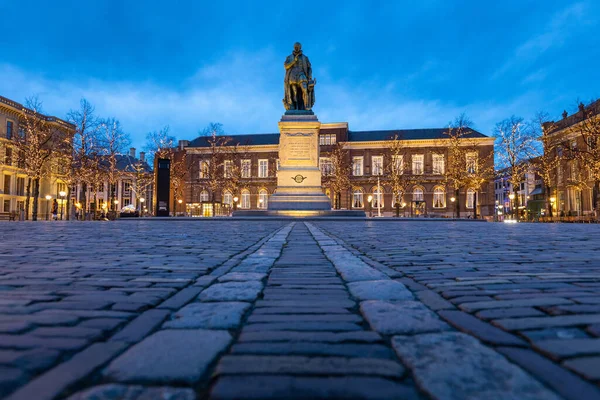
pixel 299 176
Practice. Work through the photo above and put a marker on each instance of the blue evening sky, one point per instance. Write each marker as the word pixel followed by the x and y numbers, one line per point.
pixel 378 64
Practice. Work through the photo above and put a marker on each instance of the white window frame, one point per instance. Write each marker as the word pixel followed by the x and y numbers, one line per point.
pixel 263 195
pixel 439 197
pixel 439 164
pixel 472 162
pixel 204 172
pixel 377 165
pixel 227 168
pixel 418 194
pixel 360 195
pixel 245 199
pixel 377 197
pixel 398 164
pixel 246 166
pixel 470 199
pixel 357 165
pixel 418 160
pixel 325 166
pixel 204 196
pixel 263 168
pixel 228 198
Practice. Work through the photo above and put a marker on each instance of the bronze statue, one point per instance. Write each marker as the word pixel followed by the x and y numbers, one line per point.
pixel 299 85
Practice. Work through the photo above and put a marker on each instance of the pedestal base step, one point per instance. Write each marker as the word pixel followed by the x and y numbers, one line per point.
pixel 299 213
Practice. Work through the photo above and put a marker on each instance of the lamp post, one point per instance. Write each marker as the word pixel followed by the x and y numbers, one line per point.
pixel 260 203
pixel 369 199
pixel 452 200
pixel 179 201
pixel 48 198
pixel 142 200
pixel 116 208
pixel 552 201
pixel 235 202
pixel 62 202
pixel 512 210
pixel 379 198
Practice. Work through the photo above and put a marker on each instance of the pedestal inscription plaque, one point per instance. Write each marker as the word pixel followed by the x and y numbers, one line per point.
pixel 299 176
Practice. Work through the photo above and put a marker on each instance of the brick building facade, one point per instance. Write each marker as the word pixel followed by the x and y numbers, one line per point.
pixel 367 151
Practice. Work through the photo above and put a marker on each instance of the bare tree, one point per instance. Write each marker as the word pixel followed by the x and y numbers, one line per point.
pixel 396 159
pixel 35 143
pixel 160 144
pixel 514 143
pixel 113 142
pixel 456 174
pixel 588 155
pixel 547 159
pixel 84 148
pixel 337 178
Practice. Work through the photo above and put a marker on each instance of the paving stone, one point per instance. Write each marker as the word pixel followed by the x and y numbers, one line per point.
pixel 545 322
pixel 14 327
pixel 181 298
pixel 30 341
pixel 406 317
pixel 10 379
pixel 298 365
pixel 569 347
pixel 594 329
pixel 287 387
pixel 379 290
pixel 68 331
pixel 302 326
pixel 367 350
pixel 325 337
pixel 589 367
pixel 140 327
pixel 232 291
pixel 222 315
pixel 482 330
pixel 434 301
pixel 105 324
pixel 169 356
pixel 242 277
pixel 133 392
pixel 567 384
pixel 554 333
pixel 483 373
pixel 509 313
pixel 304 317
pixel 34 360
pixel 542 301
pixel 50 384
pixel 300 310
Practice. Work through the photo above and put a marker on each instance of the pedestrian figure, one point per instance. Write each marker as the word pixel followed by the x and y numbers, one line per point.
pixel 55 210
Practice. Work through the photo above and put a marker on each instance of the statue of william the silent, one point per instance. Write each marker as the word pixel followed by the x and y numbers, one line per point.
pixel 299 85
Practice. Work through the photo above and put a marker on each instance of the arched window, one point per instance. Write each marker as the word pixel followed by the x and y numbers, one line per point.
pixel 418 194
pixel 439 197
pixel 263 198
pixel 470 198
pixel 204 196
pixel 245 199
pixel 357 198
pixel 397 198
pixel 377 197
pixel 227 198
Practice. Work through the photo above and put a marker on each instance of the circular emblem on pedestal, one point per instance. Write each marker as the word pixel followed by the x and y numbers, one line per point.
pixel 298 178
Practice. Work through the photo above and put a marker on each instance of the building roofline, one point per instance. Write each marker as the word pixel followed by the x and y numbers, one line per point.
pixel 21 108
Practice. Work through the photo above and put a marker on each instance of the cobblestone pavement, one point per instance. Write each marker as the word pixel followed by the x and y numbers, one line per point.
pixel 142 310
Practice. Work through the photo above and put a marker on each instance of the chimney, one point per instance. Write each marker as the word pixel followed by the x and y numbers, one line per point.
pixel 183 144
pixel 565 114
pixel 132 152
pixel 142 156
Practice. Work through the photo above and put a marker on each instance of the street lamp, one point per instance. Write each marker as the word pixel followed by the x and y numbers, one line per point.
pixel 142 200
pixel 179 201
pixel 452 200
pixel 512 210
pixel 48 198
pixel 116 202
pixel 62 202
pixel 552 201
pixel 235 202
pixel 260 203
pixel 369 199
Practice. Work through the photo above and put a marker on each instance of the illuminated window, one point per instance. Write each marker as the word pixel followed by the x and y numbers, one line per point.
pixel 418 194
pixel 377 165
pixel 204 169
pixel 227 198
pixel 470 198
pixel 245 199
pixel 204 196
pixel 325 166
pixel 263 199
pixel 438 164
pixel 246 168
pixel 417 164
pixel 227 168
pixel 398 164
pixel 471 162
pixel 357 166
pixel 357 199
pixel 263 168
pixel 377 197
pixel 439 197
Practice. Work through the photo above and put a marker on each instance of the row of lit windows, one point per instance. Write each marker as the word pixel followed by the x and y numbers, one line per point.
pixel 439 198
pixel 228 172
pixel 417 164
pixel 327 139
